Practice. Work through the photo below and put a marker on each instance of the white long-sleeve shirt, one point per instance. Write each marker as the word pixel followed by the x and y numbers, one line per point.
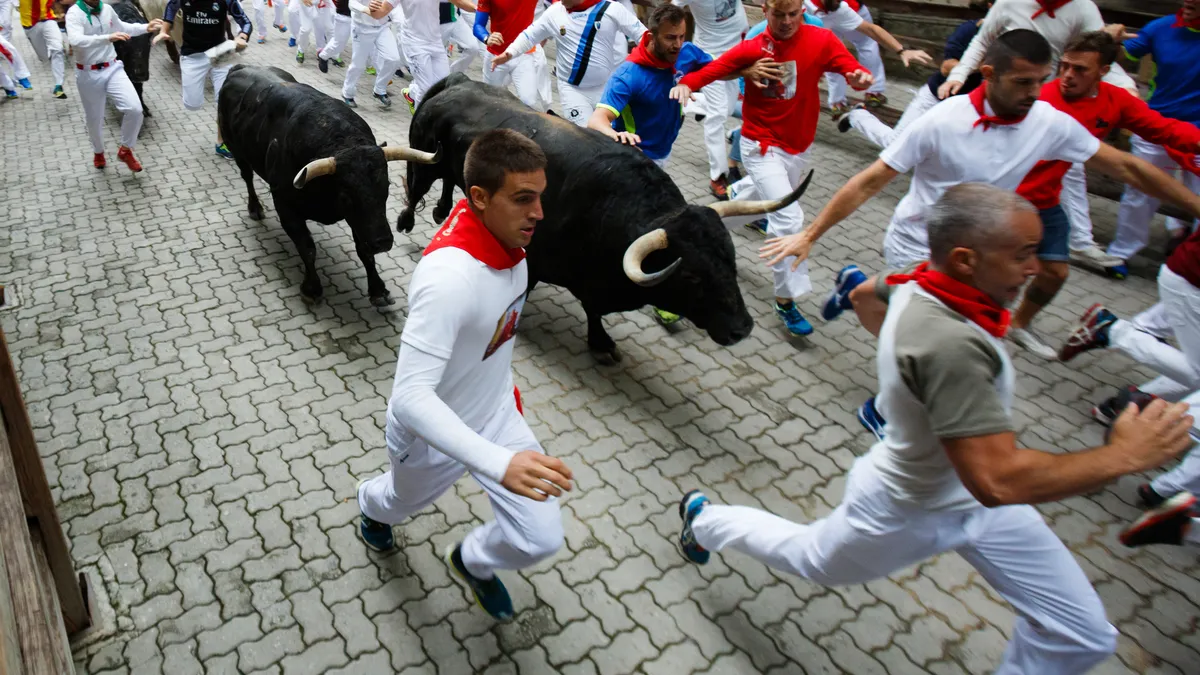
pixel 361 14
pixel 577 36
pixel 89 39
pixel 1070 21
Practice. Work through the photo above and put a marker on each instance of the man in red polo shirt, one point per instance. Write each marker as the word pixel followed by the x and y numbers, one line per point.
pixel 1101 108
pixel 508 18
pixel 779 122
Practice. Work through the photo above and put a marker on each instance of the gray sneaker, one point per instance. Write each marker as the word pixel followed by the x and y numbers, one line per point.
pixel 1029 341
pixel 1095 258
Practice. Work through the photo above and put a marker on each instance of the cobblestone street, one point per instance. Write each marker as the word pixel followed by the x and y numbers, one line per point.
pixel 204 429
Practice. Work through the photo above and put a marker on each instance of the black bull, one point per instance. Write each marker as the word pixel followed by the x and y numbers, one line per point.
pixel 134 53
pixel 319 159
pixel 617 233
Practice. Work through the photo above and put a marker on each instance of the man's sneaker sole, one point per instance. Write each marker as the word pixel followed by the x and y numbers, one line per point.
pixel 1083 334
pixel 463 575
pixel 361 516
pixel 693 552
pixel 1175 507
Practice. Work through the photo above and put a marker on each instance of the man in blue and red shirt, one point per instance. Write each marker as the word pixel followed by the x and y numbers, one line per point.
pixel 1174 44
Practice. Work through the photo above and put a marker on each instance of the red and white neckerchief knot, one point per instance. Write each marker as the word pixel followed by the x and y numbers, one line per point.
pixel 978 96
pixel 1048 7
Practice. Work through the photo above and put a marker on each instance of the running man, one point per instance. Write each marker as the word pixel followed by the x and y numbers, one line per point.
pixel 41 27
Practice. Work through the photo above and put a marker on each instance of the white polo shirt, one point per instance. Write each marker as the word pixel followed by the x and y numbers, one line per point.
pixel 420 25
pixel 720 24
pixel 841 21
pixel 578 61
pixel 944 148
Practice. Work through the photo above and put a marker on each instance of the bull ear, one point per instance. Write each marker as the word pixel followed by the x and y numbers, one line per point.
pixel 383 144
pixel 318 167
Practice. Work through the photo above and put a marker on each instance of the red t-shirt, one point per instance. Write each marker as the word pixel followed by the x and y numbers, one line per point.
pixel 1111 108
pixel 785 113
pixel 508 18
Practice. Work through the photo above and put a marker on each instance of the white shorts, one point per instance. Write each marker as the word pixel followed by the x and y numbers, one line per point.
pixel 578 104
pixel 194 69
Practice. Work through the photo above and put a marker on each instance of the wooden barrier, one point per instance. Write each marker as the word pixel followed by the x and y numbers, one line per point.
pixel 42 599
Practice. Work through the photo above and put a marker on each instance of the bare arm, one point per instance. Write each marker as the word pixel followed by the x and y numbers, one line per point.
pixel 465 5
pixel 602 119
pixel 1145 177
pixel 997 472
pixel 880 35
pixel 948 65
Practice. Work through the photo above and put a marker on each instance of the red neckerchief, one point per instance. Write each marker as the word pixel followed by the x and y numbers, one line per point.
pixel 585 5
pixel 978 96
pixel 969 301
pixel 1190 161
pixel 1180 22
pixel 642 55
pixel 1049 7
pixel 464 230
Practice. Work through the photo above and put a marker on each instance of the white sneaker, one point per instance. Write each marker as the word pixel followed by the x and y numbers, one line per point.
pixel 1030 342
pixel 1092 256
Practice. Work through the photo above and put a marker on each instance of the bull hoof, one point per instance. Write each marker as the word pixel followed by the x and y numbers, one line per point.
pixel 256 213
pixel 311 295
pixel 383 301
pixel 440 213
pixel 610 357
pixel 406 221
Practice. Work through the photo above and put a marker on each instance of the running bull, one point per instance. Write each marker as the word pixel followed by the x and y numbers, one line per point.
pixel 319 159
pixel 617 232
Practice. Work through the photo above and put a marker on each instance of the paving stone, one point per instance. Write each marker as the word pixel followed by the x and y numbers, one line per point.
pixel 226 638
pixel 574 641
pixel 356 630
pixel 269 649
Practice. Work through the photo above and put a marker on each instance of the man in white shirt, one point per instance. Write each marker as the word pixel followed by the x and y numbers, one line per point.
pixel 371 38
pixel 851 21
pixel 582 30
pixel 421 40
pixel 950 475
pixel 720 24
pixel 456 32
pixel 453 407
pixel 92 27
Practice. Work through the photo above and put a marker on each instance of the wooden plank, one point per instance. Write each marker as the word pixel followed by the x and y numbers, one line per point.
pixel 38 633
pixel 50 598
pixel 10 643
pixel 35 493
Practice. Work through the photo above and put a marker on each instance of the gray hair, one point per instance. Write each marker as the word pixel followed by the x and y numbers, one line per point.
pixel 972 215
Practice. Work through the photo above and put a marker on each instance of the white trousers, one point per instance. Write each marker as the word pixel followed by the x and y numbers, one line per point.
pixel 19 68
pixel 376 41
pixel 524 531
pixel 720 97
pixel 881 134
pixel 867 51
pixel 428 64
pixel 260 15
pixel 341 37
pixel 775 174
pixel 6 19
pixel 1138 208
pixel 1074 201
pixel 193 70
pixel 1185 477
pixel 304 17
pixel 1179 368
pixel 97 86
pixel 47 42
pixel 521 71
pixel 1061 626
pixel 578 104
pixel 458 33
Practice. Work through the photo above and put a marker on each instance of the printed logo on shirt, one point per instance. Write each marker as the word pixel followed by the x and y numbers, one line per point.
pixel 786 87
pixel 506 327
pixel 726 9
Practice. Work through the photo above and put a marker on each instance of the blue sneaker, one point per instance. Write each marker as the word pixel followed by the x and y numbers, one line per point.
pixel 291 42
pixel 839 299
pixel 758 227
pixel 794 320
pixel 689 507
pixel 1118 272
pixel 349 102
pixel 376 535
pixel 10 93
pixel 869 417
pixel 490 594
pixel 223 151
pixel 1090 333
pixel 25 83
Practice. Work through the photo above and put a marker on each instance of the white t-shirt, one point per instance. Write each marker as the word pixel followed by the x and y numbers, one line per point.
pixel 944 148
pixel 568 28
pixel 420 24
pixel 720 24
pixel 466 313
pixel 843 20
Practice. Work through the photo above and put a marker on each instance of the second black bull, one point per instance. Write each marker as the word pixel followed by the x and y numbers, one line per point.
pixel 617 232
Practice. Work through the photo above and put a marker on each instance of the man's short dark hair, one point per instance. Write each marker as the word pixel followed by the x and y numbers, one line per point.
pixel 1018 44
pixel 497 153
pixel 665 15
pixel 1099 42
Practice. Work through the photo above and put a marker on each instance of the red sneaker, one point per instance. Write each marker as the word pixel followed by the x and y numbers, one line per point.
pixel 719 187
pixel 126 155
pixel 98 160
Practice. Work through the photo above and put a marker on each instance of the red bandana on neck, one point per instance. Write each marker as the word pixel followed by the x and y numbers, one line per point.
pixel 642 55
pixel 978 96
pixel 969 301
pixel 1049 7
pixel 464 230
pixel 585 5
pixel 1180 22
pixel 1190 161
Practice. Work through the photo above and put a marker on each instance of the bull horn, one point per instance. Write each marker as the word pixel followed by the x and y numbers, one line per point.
pixel 641 247
pixel 318 167
pixel 731 208
pixel 405 154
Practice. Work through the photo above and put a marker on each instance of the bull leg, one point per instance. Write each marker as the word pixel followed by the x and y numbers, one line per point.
pixel 380 296
pixel 173 51
pixel 137 86
pixel 252 204
pixel 297 229
pixel 446 201
pixel 599 342
pixel 417 183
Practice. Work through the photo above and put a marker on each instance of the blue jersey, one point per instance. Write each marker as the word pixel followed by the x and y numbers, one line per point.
pixel 637 95
pixel 956 46
pixel 1175 90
